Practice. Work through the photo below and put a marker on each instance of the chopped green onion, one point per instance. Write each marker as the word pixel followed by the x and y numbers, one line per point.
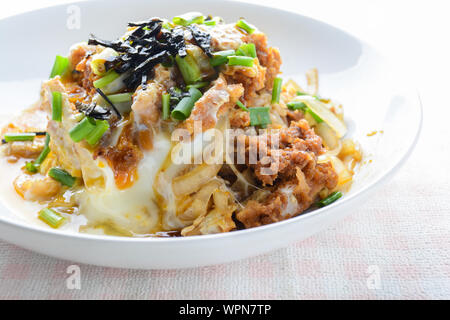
pixel 165 25
pixel 296 105
pixel 198 85
pixel 189 69
pixel 62 176
pixel 330 199
pixel 82 129
pixel 31 167
pixel 240 61
pixel 109 77
pixel 165 106
pixel 220 57
pixel 183 109
pixel 241 105
pixel 57 106
pixel 210 22
pixel 120 97
pixel 276 90
pixel 244 25
pixel 259 116
pixel 59 66
pixel 51 217
pixel 188 18
pixel 24 136
pixel 247 49
pixel 101 126
pixel 44 151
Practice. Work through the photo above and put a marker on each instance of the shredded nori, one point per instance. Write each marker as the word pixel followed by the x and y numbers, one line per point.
pixel 202 39
pixel 148 45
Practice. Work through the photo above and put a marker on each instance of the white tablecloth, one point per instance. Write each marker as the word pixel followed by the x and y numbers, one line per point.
pixel 396 246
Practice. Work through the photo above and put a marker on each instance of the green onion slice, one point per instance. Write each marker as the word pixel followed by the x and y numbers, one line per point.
pixel 189 69
pixel 247 49
pixel 330 199
pixel 24 136
pixel 120 97
pixel 51 217
pixel 44 153
pixel 296 105
pixel 57 106
pixel 31 167
pixel 241 105
pixel 165 106
pixel 183 109
pixel 101 126
pixel 82 129
pixel 62 176
pixel 188 18
pixel 220 57
pixel 259 116
pixel 59 66
pixel 244 25
pixel 276 90
pixel 109 77
pixel 240 61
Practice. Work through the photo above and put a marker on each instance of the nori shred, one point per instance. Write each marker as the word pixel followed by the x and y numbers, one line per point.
pixel 202 39
pixel 148 45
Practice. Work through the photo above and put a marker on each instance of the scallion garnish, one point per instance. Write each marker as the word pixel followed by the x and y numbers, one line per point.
pixel 188 18
pixel 296 105
pixel 44 153
pixel 82 129
pixel 24 136
pixel 189 69
pixel 57 106
pixel 330 199
pixel 109 77
pixel 31 167
pixel 198 85
pixel 240 61
pixel 276 90
pixel 241 105
pixel 221 57
pixel 101 126
pixel 51 217
pixel 62 176
pixel 59 66
pixel 183 109
pixel 247 49
pixel 244 25
pixel 120 97
pixel 165 106
pixel 259 116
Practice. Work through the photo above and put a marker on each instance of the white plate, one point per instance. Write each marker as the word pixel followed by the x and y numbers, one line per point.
pixel 374 98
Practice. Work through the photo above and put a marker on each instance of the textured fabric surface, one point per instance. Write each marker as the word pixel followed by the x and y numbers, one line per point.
pixel 400 237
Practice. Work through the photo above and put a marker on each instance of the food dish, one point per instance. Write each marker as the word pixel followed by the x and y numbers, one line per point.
pixel 180 126
pixel 376 97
